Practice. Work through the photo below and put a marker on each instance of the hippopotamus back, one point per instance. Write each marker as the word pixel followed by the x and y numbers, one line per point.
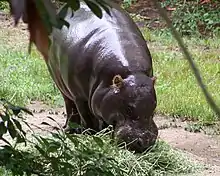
pixel 93 49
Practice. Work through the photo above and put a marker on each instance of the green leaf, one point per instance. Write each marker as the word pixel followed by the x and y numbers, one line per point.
pixel 20 139
pixel 17 123
pixel 41 151
pixel 74 125
pixel 105 6
pixel 54 146
pixel 3 139
pixel 26 110
pixel 11 129
pixel 98 141
pixel 63 12
pixel 57 136
pixel 54 163
pixel 47 20
pixel 75 5
pixel 28 125
pixel 39 140
pixel 44 141
pixel 3 129
pixel 94 8
pixel 67 156
pixel 5 117
pixel 16 110
pixel 61 23
pixel 74 140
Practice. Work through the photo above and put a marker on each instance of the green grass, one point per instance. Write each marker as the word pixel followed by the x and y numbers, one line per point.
pixel 95 155
pixel 25 78
pixel 177 89
pixel 4 6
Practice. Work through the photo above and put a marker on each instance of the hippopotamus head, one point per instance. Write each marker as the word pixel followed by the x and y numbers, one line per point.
pixel 129 104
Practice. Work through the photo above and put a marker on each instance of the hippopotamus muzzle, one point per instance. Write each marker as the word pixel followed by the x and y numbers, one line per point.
pixel 137 136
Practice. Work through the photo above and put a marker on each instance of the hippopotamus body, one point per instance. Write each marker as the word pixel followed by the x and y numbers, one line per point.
pixel 103 69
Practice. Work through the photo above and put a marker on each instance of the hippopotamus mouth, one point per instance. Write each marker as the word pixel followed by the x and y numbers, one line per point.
pixel 137 135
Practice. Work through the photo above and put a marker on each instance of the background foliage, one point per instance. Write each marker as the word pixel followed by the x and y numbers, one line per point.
pixel 192 17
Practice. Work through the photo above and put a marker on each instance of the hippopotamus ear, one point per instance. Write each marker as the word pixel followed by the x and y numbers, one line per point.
pixel 117 81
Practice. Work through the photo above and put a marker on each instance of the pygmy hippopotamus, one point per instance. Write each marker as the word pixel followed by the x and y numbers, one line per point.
pixel 103 69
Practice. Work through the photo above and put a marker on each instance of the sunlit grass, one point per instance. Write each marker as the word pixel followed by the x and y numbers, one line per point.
pixel 24 78
pixel 177 89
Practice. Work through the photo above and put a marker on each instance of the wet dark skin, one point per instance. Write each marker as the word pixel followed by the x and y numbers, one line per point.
pixel 103 69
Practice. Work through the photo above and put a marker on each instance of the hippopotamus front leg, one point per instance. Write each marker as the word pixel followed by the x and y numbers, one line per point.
pixel 88 119
pixel 78 112
pixel 72 116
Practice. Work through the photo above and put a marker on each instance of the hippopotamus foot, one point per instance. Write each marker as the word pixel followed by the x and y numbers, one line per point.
pixel 72 117
pixel 89 121
pixel 71 126
pixel 71 130
pixel 78 112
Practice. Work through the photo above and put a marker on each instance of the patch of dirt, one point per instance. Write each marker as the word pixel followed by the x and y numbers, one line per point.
pixel 200 144
pixel 16 37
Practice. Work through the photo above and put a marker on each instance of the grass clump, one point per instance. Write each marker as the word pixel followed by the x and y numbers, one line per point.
pixel 58 153
pixel 25 78
pixel 85 156
pixel 177 90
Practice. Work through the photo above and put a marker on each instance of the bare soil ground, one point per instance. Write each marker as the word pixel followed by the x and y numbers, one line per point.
pixel 203 147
